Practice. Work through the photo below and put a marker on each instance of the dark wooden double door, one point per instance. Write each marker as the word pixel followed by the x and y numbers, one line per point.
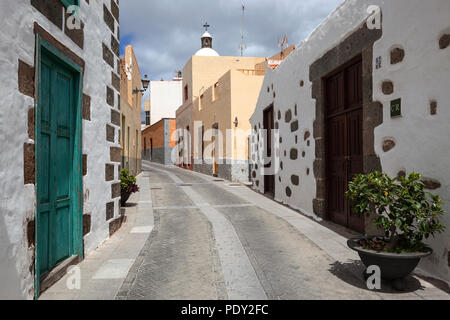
pixel 344 154
pixel 269 177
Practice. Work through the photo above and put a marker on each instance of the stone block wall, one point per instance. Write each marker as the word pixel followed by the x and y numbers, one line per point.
pixel 93 47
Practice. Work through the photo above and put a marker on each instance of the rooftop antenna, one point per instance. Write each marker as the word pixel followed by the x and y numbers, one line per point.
pixel 283 44
pixel 243 45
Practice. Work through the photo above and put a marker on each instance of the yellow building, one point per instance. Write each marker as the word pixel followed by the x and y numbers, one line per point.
pixel 130 109
pixel 219 96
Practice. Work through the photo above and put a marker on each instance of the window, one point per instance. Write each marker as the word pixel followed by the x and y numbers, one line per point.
pixel 203 141
pixel 200 103
pixel 147 118
pixel 214 93
pixel 68 3
pixel 186 96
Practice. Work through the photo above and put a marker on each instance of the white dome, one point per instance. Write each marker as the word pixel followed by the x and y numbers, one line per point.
pixel 207 52
pixel 206 35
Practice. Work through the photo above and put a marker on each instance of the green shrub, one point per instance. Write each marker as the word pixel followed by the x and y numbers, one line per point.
pixel 127 182
pixel 406 213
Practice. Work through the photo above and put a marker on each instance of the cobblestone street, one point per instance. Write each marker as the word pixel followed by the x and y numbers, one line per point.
pixel 214 240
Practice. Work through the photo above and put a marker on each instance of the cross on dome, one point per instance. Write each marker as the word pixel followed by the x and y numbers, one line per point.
pixel 206 26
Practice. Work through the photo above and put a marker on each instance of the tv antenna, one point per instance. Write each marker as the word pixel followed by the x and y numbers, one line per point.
pixel 243 45
pixel 283 42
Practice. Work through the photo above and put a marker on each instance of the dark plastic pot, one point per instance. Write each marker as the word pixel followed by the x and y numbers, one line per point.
pixel 124 196
pixel 392 265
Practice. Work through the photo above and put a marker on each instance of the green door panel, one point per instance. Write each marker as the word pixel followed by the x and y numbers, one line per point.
pixel 55 143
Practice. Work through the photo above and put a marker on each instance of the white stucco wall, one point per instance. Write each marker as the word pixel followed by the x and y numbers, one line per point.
pixel 422 140
pixel 166 98
pixel 17 201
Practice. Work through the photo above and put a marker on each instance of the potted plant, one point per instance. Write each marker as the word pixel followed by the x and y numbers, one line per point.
pixel 127 186
pixel 407 214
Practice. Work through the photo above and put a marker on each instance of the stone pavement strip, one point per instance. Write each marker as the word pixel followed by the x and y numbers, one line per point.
pixel 104 270
pixel 208 239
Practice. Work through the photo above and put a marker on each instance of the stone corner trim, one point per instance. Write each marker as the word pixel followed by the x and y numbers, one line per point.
pixel 31 123
pixel 31 234
pixel 86 224
pixel 29 163
pixel 86 107
pixel 84 165
pixel 26 79
pixel 109 172
pixel 108 18
pixel 110 133
pixel 75 34
pixel 51 9
pixel 115 10
pixel 115 190
pixel 108 56
pixel 109 210
pixel 115 117
pixel 115 154
pixel 110 96
pixel 115 225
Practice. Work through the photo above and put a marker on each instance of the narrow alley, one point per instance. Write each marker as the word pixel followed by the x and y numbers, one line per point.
pixel 206 238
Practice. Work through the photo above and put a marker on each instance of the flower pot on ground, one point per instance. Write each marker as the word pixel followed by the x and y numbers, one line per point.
pixel 404 211
pixel 127 186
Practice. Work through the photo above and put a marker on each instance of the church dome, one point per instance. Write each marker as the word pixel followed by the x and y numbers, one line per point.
pixel 207 52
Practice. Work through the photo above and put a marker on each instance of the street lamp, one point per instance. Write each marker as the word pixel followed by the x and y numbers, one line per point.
pixel 145 83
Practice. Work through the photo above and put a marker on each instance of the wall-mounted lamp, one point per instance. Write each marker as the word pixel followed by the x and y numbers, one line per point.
pixel 145 83
pixel 236 122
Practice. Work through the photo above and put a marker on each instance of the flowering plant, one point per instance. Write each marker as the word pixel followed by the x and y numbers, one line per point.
pixel 127 182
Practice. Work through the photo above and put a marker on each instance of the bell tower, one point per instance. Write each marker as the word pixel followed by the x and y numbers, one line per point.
pixel 206 38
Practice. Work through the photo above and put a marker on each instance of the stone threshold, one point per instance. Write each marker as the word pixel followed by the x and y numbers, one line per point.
pixel 57 273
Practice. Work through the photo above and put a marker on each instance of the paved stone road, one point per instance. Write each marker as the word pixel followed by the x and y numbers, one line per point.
pixel 212 240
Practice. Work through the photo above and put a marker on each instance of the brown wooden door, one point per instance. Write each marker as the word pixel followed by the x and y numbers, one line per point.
pixel 269 179
pixel 344 142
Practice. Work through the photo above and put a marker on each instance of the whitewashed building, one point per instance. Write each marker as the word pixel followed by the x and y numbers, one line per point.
pixel 59 125
pixel 166 98
pixel 367 90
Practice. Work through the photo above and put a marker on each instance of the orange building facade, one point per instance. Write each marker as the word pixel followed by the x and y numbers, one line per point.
pixel 158 141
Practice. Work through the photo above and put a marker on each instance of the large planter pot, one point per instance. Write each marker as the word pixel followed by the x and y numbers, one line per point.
pixel 124 196
pixel 393 266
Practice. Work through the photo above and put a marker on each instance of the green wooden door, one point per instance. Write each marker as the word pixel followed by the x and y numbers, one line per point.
pixel 55 158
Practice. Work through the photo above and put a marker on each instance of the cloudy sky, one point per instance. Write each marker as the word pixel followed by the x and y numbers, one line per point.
pixel 166 33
